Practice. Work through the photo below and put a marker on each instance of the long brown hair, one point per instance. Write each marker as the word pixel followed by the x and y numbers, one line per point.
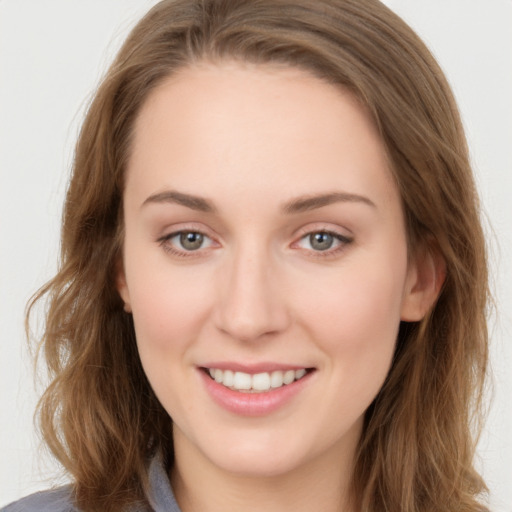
pixel 100 417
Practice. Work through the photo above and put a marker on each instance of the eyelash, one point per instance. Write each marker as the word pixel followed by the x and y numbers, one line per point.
pixel 343 242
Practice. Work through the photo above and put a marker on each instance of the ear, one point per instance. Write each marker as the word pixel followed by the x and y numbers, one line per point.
pixel 122 286
pixel 425 277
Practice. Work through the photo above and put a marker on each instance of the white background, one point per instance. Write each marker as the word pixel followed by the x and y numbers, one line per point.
pixel 52 54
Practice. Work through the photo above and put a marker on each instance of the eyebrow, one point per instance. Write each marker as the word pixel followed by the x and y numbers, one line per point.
pixel 297 205
pixel 312 202
pixel 171 196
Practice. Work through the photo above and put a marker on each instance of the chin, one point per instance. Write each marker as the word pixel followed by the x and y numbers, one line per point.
pixel 258 457
pixel 259 464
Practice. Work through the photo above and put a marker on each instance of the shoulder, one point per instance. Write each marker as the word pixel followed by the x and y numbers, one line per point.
pixel 55 500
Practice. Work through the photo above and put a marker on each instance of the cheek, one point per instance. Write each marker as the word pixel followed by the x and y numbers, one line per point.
pixel 169 307
pixel 168 312
pixel 354 315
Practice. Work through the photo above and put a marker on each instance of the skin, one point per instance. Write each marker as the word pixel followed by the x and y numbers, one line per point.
pixel 255 142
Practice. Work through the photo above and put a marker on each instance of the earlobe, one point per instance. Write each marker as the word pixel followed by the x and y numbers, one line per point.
pixel 425 278
pixel 122 287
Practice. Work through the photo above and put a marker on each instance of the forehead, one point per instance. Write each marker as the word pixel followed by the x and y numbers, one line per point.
pixel 253 126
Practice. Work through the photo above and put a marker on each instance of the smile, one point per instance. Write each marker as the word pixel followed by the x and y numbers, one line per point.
pixel 255 383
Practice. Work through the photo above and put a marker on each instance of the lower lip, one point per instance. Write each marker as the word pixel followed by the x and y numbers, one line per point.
pixel 253 404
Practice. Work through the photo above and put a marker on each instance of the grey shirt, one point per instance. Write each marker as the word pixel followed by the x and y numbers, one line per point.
pixel 161 498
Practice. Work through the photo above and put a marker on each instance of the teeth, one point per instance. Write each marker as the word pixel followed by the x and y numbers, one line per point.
pixel 289 377
pixel 300 373
pixel 259 382
pixel 276 379
pixel 228 378
pixel 241 380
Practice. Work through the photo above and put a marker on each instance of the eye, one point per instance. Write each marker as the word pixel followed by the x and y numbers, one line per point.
pixel 186 241
pixel 323 241
pixel 190 240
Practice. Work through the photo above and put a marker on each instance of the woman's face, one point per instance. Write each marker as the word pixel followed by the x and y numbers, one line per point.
pixel 265 246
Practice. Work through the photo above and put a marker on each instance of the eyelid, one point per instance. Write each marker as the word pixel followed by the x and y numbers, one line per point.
pixel 322 227
pixel 184 227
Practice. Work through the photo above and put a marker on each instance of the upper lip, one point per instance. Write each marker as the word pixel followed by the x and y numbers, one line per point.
pixel 253 368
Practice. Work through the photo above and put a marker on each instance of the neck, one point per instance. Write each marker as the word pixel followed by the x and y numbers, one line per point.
pixel 322 483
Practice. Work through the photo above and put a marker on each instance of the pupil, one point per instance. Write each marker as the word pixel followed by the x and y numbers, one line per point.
pixel 191 241
pixel 321 241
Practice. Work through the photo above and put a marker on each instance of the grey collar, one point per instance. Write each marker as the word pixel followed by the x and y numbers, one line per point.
pixel 161 497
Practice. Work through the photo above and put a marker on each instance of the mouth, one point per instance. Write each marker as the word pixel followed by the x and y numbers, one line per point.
pixel 257 382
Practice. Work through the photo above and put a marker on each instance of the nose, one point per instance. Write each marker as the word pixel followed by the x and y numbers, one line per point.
pixel 251 303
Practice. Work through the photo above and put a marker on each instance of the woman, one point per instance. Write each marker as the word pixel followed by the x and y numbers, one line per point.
pixel 271 236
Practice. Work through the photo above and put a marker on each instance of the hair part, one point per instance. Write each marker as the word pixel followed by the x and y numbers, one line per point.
pixel 100 417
